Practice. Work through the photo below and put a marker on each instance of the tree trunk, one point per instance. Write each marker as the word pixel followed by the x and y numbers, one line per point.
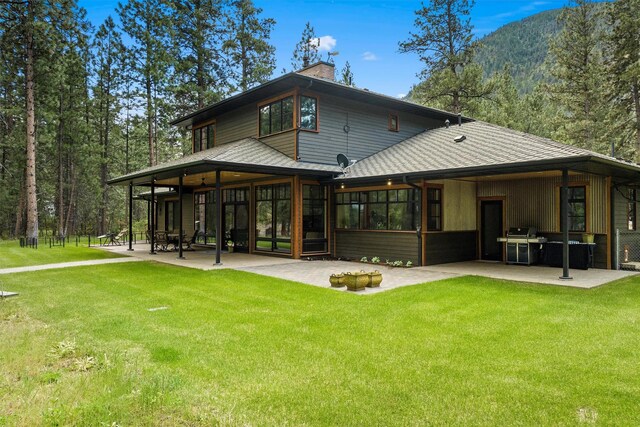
pixel 19 228
pixel 60 168
pixel 32 195
pixel 635 89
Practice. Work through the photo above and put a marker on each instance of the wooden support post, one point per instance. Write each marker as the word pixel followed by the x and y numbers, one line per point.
pixel 564 214
pixel 130 217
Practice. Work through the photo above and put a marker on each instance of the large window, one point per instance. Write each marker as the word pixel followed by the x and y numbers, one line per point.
pixel 273 218
pixel 308 113
pixel 631 210
pixel 204 209
pixel 314 208
pixel 378 210
pixel 577 209
pixel 434 209
pixel 204 137
pixel 172 216
pixel 276 116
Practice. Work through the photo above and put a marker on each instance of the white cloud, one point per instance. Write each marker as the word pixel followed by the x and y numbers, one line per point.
pixel 369 56
pixel 324 43
pixel 401 95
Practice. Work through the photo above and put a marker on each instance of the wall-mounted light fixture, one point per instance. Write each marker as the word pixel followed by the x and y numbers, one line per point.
pixel 342 186
pixel 388 182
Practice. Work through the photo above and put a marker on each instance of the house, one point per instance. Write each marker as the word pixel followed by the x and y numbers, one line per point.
pixel 426 186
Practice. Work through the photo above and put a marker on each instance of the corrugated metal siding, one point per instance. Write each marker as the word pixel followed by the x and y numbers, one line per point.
pixel 283 142
pixel 534 202
pixel 446 247
pixel 392 245
pixel 368 130
pixel 237 124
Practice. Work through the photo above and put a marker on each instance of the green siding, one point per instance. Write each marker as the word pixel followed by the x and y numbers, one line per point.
pixel 236 125
pixel 283 142
pixel 368 130
pixel 385 245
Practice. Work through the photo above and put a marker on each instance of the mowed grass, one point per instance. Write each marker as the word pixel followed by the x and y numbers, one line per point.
pixel 12 255
pixel 79 347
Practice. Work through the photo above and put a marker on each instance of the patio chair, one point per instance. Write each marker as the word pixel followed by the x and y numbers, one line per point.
pixel 161 241
pixel 189 242
pixel 120 235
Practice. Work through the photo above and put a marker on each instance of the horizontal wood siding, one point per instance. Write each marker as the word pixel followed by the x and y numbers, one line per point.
pixel 535 202
pixel 283 142
pixel 455 246
pixel 368 130
pixel 385 245
pixel 237 124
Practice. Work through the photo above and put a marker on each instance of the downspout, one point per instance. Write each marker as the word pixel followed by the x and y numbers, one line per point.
pixel 419 226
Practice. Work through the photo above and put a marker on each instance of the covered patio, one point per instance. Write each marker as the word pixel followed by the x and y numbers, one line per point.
pixel 317 272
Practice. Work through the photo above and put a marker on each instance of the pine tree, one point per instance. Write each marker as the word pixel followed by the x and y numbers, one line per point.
pixel 578 69
pixel 306 51
pixel 201 72
pixel 346 75
pixel 444 44
pixel 624 69
pixel 147 23
pixel 248 46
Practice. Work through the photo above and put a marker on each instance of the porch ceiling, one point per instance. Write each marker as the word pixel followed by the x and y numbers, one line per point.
pixel 196 180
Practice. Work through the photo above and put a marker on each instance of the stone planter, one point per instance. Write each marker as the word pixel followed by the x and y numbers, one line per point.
pixel 356 281
pixel 337 280
pixel 375 278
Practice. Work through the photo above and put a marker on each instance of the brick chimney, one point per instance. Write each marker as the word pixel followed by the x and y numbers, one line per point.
pixel 323 70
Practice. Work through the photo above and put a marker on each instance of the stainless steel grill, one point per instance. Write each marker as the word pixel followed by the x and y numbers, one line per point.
pixel 523 246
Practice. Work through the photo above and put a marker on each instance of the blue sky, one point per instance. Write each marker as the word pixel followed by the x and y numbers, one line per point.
pixel 364 32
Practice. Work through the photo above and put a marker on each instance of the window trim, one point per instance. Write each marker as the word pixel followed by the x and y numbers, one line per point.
pixel 395 128
pixel 298 115
pixel 274 100
pixel 199 126
pixel 439 187
pixel 587 206
pixel 415 201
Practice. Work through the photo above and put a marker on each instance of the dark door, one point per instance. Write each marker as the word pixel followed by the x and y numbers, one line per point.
pixel 236 218
pixel 490 230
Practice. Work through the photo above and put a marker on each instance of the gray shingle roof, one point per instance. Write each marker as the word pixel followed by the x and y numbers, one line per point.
pixel 486 145
pixel 248 152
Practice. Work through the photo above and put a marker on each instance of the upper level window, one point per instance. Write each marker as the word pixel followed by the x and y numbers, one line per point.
pixel 204 137
pixel 434 209
pixel 308 113
pixel 276 116
pixel 394 123
pixel 577 208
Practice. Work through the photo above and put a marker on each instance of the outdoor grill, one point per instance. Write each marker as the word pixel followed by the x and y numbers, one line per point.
pixel 523 246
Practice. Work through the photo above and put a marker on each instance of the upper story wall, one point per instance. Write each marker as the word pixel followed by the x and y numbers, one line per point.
pixel 368 130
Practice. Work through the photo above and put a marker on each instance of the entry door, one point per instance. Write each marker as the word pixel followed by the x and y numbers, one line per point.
pixel 490 230
pixel 236 218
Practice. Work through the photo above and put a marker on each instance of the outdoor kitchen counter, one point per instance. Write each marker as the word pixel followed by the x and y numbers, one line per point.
pixel 580 254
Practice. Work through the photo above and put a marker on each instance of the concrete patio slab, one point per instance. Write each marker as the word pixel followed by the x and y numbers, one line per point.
pixel 317 273
pixel 585 279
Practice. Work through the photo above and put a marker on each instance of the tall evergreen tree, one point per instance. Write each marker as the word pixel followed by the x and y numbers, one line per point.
pixel 200 70
pixel 443 41
pixel 107 48
pixel 306 51
pixel 624 70
pixel 346 75
pixel 248 48
pixel 579 72
pixel 147 23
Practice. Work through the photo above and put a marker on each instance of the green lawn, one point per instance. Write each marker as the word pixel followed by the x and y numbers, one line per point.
pixel 12 255
pixel 79 347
